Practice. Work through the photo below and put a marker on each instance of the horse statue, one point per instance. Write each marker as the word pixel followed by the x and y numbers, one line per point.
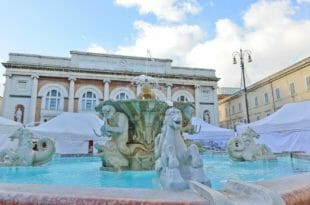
pixel 175 162
pixel 245 148
pixel 28 151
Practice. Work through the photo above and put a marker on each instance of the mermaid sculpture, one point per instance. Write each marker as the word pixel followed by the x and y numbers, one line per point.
pixel 28 152
pixel 175 162
pixel 245 148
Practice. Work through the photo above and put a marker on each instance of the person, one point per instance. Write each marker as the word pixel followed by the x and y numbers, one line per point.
pixel 206 116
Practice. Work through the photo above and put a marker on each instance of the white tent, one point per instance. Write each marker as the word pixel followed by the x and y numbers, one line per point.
pixel 7 128
pixel 209 135
pixel 288 129
pixel 72 132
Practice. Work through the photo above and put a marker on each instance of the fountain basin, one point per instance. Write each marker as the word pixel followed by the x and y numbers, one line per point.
pixel 84 172
pixel 293 189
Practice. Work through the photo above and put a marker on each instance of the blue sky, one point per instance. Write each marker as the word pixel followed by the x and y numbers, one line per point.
pixel 195 33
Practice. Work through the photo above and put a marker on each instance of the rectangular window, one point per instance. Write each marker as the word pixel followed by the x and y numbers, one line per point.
pixel 278 93
pixel 292 89
pixel 257 117
pixel 226 112
pixel 256 101
pixel 53 104
pixel 233 109
pixel 266 98
pixel 308 82
pixel 239 107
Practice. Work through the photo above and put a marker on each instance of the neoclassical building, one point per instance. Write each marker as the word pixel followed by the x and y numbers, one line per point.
pixel 38 88
pixel 266 96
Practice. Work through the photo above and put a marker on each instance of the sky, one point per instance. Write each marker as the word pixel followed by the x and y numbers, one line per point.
pixel 193 33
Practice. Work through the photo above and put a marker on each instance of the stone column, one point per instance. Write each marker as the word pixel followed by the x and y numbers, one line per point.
pixel 6 96
pixel 33 100
pixel 216 108
pixel 106 91
pixel 168 95
pixel 71 94
pixel 197 100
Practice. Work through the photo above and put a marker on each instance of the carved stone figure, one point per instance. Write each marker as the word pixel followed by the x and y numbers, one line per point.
pixel 206 116
pixel 117 153
pixel 245 148
pixel 188 112
pixel 18 115
pixel 175 162
pixel 28 152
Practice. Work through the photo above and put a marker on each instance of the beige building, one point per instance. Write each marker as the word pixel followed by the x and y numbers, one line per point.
pixel 291 84
pixel 38 88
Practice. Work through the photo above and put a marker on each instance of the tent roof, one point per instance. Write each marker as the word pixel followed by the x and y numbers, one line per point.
pixel 292 116
pixel 207 127
pixel 207 130
pixel 8 122
pixel 81 124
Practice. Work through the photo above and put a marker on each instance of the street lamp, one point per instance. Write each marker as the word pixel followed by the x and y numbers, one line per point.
pixel 240 55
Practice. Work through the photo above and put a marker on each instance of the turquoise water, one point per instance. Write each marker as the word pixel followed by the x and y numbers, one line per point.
pixel 84 171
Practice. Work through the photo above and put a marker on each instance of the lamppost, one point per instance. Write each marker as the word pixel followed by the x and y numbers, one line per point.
pixel 241 54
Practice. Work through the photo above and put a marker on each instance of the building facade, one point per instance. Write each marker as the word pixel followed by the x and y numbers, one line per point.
pixel 38 88
pixel 266 96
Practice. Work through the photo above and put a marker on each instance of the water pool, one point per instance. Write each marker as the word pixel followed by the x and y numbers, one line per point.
pixel 84 171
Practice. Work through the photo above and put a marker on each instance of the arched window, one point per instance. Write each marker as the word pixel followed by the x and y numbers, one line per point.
pixel 122 96
pixel 89 101
pixel 182 98
pixel 52 100
pixel 122 93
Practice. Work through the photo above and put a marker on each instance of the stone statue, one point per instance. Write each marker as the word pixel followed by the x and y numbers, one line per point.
pixel 245 148
pixel 188 112
pixel 175 162
pixel 18 115
pixel 28 152
pixel 116 153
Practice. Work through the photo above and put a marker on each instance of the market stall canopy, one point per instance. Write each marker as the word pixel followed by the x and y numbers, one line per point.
pixel 71 131
pixel 7 128
pixel 210 136
pixel 288 129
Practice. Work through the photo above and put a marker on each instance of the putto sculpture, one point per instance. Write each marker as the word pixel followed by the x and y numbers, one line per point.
pixel 245 148
pixel 28 151
pixel 175 162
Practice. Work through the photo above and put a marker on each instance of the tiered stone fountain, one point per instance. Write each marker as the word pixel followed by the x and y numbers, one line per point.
pixel 144 131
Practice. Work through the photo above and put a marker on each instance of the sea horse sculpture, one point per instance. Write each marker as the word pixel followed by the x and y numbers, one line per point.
pixel 27 152
pixel 245 148
pixel 175 162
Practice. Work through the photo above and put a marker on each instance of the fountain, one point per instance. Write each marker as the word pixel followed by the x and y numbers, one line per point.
pixel 136 141
pixel 28 151
pixel 245 148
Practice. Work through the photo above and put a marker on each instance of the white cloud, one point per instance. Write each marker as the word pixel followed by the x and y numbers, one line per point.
pixel 169 10
pixel 303 1
pixel 163 41
pixel 95 48
pixel 269 31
